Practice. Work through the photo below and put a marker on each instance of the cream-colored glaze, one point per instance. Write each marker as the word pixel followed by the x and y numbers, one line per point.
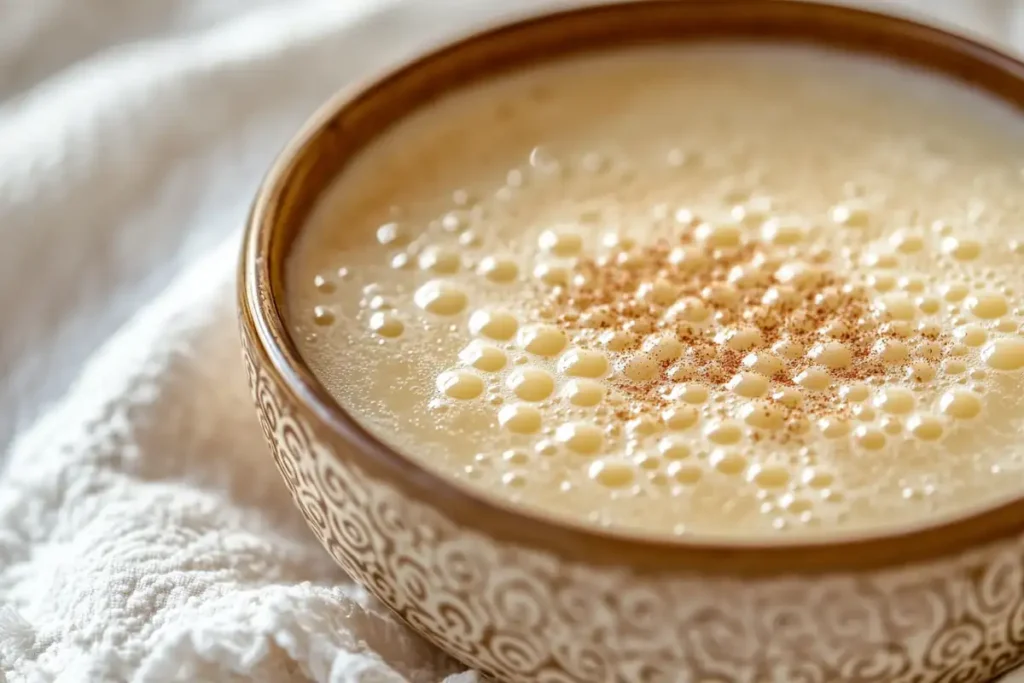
pixel 456 291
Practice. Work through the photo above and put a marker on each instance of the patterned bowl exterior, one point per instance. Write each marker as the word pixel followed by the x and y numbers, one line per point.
pixel 528 600
pixel 529 616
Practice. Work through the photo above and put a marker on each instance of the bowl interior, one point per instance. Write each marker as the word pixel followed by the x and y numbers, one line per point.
pixel 352 119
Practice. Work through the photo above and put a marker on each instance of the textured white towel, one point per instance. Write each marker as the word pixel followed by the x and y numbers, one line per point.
pixel 144 533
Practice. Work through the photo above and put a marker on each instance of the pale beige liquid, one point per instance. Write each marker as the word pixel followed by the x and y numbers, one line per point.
pixel 723 290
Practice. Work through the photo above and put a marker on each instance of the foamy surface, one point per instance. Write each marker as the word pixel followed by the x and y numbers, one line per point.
pixel 729 290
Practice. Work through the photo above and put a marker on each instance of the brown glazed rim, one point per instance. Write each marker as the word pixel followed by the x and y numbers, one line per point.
pixel 354 117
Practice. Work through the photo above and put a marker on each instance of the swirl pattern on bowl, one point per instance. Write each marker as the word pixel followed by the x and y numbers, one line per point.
pixel 520 614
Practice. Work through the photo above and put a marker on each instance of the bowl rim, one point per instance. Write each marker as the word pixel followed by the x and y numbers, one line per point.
pixel 263 321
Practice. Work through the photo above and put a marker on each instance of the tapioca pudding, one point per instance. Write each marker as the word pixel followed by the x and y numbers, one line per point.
pixel 750 291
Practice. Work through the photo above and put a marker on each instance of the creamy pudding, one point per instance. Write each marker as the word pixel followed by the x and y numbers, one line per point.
pixel 743 291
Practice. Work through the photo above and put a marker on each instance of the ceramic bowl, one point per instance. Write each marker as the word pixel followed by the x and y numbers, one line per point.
pixel 529 599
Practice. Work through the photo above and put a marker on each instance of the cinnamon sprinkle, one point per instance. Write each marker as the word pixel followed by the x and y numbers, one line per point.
pixel 728 307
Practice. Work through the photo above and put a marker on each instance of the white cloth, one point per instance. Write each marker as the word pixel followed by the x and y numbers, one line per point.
pixel 144 533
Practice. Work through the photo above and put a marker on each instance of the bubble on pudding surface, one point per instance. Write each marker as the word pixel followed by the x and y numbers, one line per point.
pixel 1004 354
pixel 440 260
pixel 689 309
pixel 851 214
pixel 783 232
pixel 515 456
pixel 638 367
pixel 657 292
pixel 483 356
pixel 642 426
pixel 925 427
pixel 560 242
pixel 612 472
pixel 763 363
pixel 690 392
pixel 674 448
pixel 864 412
pixel 882 282
pixel 719 235
pixel 891 425
pixel 723 432
pixel 834 427
pixel 649 462
pixel 580 362
pixel 769 476
pixel 882 260
pixel 392 234
pixel 833 354
pixel 520 418
pixel 531 384
pixel 896 400
pixel 686 473
pixel 1006 326
pixel 962 248
pixel 928 305
pixel 689 259
pixel 379 303
pixel 911 283
pixel 662 347
pixel 617 241
pixel 682 371
pixel 790 349
pixel 498 269
pixel 813 379
pixel 971 334
pixel 727 462
pixel 585 393
pixel 580 437
pixel 794 504
pixel 441 298
pixel 749 384
pixel 763 415
pixel 454 221
pixel 552 274
pixel 891 351
pixel 789 397
pixel 680 417
pixel 907 241
pixel 902 329
pixel 515 480
pixel 855 393
pixel 741 338
pixel 495 324
pixel 470 239
pixel 960 404
pixel 387 324
pixel 460 384
pixel 542 340
pixel 323 284
pixel 987 305
pixel 954 292
pixel 323 316
pixel 897 307
pixel 869 438
pixel 954 366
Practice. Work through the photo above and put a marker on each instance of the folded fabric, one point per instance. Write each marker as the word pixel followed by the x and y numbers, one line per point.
pixel 144 532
